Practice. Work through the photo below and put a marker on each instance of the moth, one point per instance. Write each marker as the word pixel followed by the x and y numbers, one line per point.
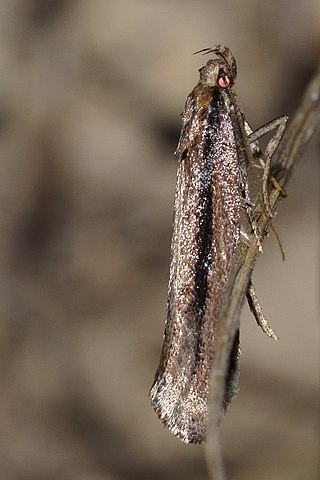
pixel 214 151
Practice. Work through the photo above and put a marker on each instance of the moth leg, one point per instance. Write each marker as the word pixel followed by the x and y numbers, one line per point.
pixel 249 210
pixel 276 185
pixel 268 127
pixel 245 237
pixel 279 125
pixel 278 242
pixel 256 310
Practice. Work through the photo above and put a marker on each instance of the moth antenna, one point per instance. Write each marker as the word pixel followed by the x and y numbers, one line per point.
pixel 224 53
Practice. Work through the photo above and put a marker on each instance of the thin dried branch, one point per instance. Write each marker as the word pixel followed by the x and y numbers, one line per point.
pixel 300 131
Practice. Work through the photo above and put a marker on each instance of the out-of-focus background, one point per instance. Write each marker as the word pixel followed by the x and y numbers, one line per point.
pixel 90 100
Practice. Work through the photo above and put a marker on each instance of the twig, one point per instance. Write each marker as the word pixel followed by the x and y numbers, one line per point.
pixel 304 124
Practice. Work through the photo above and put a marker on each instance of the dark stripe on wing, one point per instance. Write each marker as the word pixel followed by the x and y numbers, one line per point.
pixel 204 238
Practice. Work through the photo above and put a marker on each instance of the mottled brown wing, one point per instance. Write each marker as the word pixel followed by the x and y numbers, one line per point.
pixel 206 233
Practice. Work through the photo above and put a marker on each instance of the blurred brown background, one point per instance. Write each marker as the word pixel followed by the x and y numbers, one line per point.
pixel 90 98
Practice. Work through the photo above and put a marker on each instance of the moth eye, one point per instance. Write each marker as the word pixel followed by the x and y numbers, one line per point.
pixel 224 81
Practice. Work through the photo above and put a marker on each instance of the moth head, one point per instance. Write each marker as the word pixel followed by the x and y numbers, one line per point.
pixel 221 71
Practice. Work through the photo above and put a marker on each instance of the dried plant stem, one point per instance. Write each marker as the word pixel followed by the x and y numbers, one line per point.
pixel 303 126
